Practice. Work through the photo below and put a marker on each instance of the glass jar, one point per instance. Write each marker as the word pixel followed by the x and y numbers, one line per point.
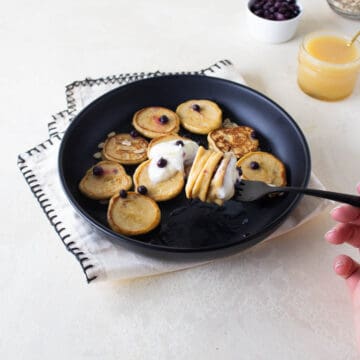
pixel 347 8
pixel 326 79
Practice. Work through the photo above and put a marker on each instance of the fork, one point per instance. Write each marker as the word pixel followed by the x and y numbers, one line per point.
pixel 254 190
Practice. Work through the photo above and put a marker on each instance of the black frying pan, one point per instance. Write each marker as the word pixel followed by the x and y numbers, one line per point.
pixel 189 229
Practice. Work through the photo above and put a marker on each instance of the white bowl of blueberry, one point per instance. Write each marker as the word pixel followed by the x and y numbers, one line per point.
pixel 273 21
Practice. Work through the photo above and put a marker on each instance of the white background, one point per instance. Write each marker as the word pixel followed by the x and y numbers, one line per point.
pixel 278 301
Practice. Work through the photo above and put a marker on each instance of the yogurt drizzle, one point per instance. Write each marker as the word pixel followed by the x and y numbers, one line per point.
pixel 177 157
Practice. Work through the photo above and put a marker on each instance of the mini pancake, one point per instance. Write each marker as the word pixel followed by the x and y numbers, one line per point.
pixel 199 116
pixel 162 139
pixel 218 180
pixel 156 121
pixel 161 191
pixel 262 166
pixel 104 179
pixel 202 183
pixel 239 140
pixel 125 149
pixel 201 157
pixel 133 215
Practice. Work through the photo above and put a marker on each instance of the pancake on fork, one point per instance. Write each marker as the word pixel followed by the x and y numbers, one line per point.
pixel 133 214
pixel 222 184
pixel 156 121
pixel 125 149
pixel 202 183
pixel 201 157
pixel 104 179
pixel 199 116
pixel 239 140
pixel 262 166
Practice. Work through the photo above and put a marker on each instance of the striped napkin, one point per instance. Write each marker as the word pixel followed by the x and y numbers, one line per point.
pixel 99 258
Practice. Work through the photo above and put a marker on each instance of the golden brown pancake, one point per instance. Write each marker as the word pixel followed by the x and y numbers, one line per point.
pixel 104 179
pixel 161 191
pixel 237 140
pixel 202 183
pixel 201 157
pixel 156 121
pixel 199 116
pixel 133 215
pixel 262 166
pixel 125 149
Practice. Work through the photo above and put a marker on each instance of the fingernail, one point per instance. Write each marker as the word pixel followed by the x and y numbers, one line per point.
pixel 330 233
pixel 335 209
pixel 339 263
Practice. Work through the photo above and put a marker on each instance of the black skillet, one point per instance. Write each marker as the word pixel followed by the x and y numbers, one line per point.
pixel 189 229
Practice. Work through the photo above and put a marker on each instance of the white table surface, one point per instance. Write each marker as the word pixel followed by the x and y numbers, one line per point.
pixel 278 301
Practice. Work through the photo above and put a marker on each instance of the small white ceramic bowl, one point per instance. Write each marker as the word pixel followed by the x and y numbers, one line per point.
pixel 271 31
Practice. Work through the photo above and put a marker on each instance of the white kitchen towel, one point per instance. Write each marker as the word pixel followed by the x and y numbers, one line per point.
pixel 101 259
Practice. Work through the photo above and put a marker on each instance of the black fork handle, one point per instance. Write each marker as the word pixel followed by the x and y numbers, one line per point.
pixel 353 200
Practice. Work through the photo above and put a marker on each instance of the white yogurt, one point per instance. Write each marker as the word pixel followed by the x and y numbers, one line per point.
pixel 175 155
pixel 227 190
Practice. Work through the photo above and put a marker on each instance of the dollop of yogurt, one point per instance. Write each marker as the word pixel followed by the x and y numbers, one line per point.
pixel 227 190
pixel 177 153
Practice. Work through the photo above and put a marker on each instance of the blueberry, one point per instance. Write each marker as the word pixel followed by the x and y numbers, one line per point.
pixel 239 170
pixel 254 165
pixel 253 134
pixel 161 163
pixel 142 190
pixel 275 9
pixel 180 143
pixel 98 171
pixel 123 193
pixel 195 107
pixel 163 119
pixel 134 133
pixel 279 16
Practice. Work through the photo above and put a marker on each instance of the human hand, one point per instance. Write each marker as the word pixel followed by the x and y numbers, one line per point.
pixel 348 231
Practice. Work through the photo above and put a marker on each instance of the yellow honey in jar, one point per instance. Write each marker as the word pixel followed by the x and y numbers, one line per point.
pixel 328 66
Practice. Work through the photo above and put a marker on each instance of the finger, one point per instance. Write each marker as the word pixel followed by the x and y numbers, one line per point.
pixel 333 237
pixel 348 269
pixel 346 214
pixel 344 233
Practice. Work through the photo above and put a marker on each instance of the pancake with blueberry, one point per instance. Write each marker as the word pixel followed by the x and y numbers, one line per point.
pixel 104 179
pixel 163 139
pixel 130 213
pixel 160 178
pixel 200 116
pixel 262 166
pixel 127 149
pixel 239 140
pixel 156 121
